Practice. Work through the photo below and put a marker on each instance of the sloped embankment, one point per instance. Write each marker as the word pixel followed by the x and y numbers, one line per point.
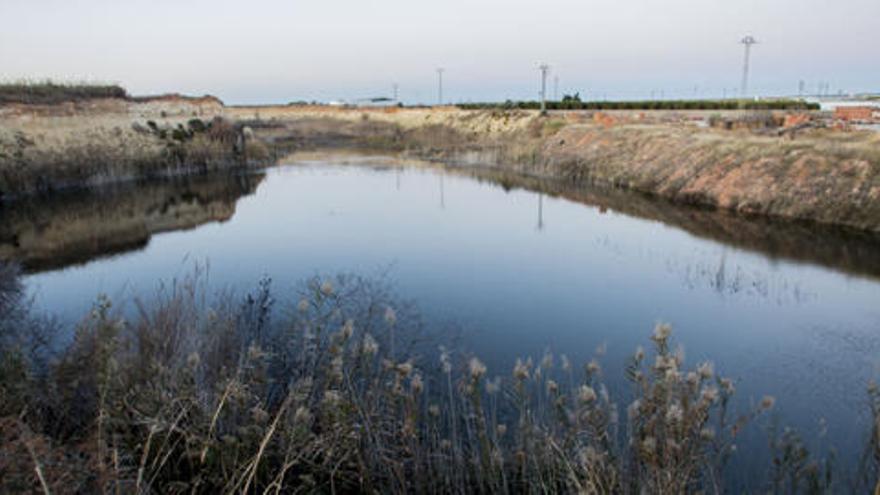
pixel 829 179
pixel 79 144
pixel 822 176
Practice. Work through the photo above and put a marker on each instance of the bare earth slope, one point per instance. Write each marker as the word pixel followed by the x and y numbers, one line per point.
pixel 829 179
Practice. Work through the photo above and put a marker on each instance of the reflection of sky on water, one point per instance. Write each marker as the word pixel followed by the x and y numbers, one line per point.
pixel 522 272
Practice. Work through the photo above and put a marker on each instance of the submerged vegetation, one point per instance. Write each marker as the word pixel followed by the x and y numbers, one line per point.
pixel 50 92
pixel 339 390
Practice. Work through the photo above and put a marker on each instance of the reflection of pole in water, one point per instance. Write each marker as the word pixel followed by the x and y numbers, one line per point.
pixel 397 177
pixel 540 211
pixel 442 195
pixel 720 274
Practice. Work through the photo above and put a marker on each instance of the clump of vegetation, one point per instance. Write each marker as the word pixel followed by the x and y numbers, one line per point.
pixel 49 92
pixel 10 302
pixel 341 393
pixel 574 102
pixel 208 145
pixel 99 156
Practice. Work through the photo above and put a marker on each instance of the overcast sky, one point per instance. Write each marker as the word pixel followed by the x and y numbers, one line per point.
pixel 253 51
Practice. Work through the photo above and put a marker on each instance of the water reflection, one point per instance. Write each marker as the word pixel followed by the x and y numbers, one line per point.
pixel 50 233
pixel 540 211
pixel 605 267
pixel 849 251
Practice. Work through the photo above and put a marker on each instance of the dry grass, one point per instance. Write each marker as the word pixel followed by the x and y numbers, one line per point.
pixel 822 175
pixel 46 158
pixel 341 394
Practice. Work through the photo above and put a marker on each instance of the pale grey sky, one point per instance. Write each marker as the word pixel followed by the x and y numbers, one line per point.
pixel 250 51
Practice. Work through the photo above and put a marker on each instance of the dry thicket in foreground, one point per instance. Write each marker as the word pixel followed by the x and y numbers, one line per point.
pixel 341 394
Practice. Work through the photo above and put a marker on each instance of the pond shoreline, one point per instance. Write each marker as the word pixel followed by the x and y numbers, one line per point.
pixel 85 145
pixel 820 176
pixel 31 229
pixel 851 251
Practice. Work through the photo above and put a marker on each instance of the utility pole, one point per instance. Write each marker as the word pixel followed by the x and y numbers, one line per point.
pixel 440 85
pixel 801 86
pixel 544 68
pixel 747 42
pixel 395 92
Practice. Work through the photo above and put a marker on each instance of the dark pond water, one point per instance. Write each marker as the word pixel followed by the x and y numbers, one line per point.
pixel 786 310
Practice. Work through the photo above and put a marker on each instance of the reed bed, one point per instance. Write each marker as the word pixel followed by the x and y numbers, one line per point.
pixel 338 390
pixel 99 155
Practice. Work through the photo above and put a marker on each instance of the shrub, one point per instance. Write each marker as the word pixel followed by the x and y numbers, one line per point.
pixel 49 92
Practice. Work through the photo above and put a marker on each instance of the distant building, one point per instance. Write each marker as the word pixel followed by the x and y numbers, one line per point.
pixel 830 104
pixel 855 113
pixel 378 101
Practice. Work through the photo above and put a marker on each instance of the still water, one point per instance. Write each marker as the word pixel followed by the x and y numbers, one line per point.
pixel 785 310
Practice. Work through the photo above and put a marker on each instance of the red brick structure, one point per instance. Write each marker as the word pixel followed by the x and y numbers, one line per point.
pixel 854 113
pixel 796 119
